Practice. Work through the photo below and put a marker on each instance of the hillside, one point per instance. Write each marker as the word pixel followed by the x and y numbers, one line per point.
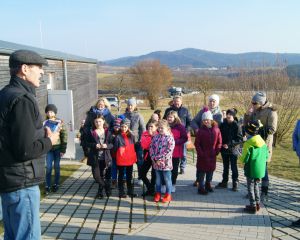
pixel 197 58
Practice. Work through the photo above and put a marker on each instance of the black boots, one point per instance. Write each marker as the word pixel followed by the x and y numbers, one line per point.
pixel 264 193
pixel 100 192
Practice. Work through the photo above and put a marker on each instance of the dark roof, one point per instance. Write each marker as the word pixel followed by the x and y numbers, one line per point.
pixel 9 47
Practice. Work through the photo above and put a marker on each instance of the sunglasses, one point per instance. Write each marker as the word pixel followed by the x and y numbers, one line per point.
pixel 254 103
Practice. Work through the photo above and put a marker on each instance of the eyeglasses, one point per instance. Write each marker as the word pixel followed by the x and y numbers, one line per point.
pixel 254 103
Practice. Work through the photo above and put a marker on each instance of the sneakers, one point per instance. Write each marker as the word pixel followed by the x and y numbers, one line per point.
pixel 140 182
pixel 250 209
pixel 181 171
pixel 55 188
pixel 235 186
pixel 296 223
pixel 222 185
pixel 167 198
pixel 47 191
pixel 163 189
pixel 173 188
pixel 157 197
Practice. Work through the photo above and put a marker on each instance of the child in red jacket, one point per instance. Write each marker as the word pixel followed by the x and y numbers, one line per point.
pixel 125 157
pixel 146 139
pixel 208 144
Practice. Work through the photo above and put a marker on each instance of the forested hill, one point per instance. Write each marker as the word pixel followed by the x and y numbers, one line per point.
pixel 204 59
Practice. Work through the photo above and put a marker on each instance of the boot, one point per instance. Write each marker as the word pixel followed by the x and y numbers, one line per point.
pixel 130 191
pixel 107 188
pixel 235 186
pixel 167 198
pixel 250 209
pixel 202 191
pixel 264 193
pixel 222 185
pixel 157 197
pixel 100 192
pixel 121 190
pixel 257 207
pixel 208 187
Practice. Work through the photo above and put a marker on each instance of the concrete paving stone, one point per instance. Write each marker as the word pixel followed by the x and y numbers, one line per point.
pixel 121 231
pixel 286 237
pixel 67 236
pixel 79 215
pixel 85 236
pixel 87 230
pixel 51 234
pixel 74 224
pixel 102 237
pixel 71 229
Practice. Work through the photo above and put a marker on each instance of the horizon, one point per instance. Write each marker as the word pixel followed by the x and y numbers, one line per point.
pixel 117 29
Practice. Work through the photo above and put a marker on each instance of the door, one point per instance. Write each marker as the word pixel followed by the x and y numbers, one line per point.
pixel 63 100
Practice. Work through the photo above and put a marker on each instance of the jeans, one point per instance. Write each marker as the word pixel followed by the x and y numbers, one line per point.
pixel 253 191
pixel 21 214
pixel 166 175
pixel 114 170
pixel 232 159
pixel 265 179
pixel 52 156
pixel 183 159
pixel 201 175
pixel 175 162
pixel 140 159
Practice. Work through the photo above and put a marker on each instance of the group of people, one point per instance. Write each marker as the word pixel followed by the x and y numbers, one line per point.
pixel 113 144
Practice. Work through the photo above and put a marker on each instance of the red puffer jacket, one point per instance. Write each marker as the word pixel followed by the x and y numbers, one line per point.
pixel 208 144
pixel 124 146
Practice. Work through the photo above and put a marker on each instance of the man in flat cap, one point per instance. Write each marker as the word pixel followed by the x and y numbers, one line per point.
pixel 23 139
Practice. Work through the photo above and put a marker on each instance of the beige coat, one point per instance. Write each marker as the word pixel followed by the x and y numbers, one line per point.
pixel 268 116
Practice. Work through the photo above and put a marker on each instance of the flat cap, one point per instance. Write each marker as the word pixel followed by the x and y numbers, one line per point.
pixel 20 57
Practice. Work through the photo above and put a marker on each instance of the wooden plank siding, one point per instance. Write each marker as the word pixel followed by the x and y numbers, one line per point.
pixel 82 80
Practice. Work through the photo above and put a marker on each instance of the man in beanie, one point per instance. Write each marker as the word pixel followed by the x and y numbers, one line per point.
pixel 261 109
pixel 230 136
pixel 254 156
pixel 23 141
pixel 186 118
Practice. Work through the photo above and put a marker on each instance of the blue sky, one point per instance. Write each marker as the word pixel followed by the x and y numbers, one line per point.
pixel 118 28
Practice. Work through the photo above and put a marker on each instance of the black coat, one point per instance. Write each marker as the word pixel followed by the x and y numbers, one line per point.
pixel 22 138
pixel 91 143
pixel 230 135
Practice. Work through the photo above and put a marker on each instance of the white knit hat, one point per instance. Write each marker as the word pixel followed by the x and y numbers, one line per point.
pixel 215 97
pixel 207 115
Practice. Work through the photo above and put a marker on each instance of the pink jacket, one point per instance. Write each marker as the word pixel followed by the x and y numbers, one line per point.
pixel 180 137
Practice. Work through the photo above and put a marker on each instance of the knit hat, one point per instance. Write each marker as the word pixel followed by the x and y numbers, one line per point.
pixel 117 122
pixel 51 107
pixel 207 115
pixel 260 98
pixel 126 122
pixel 231 112
pixel 131 101
pixel 253 127
pixel 214 97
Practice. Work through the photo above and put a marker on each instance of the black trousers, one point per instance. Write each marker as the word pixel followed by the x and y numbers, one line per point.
pixel 175 162
pixel 128 170
pixel 147 164
pixel 100 174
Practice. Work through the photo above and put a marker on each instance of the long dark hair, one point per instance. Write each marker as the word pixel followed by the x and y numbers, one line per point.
pixel 97 117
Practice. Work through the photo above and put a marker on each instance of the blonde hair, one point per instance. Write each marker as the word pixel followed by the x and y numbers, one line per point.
pixel 106 103
pixel 164 123
pixel 175 115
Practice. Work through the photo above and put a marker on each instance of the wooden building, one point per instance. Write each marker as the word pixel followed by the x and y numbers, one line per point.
pixel 64 72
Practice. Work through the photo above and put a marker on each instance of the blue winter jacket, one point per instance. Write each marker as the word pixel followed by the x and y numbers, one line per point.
pixel 296 138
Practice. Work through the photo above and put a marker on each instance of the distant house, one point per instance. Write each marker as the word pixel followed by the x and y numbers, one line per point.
pixel 65 72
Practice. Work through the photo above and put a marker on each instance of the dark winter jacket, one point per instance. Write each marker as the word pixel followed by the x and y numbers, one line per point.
pixel 22 138
pixel 137 125
pixel 180 137
pixel 230 135
pixel 93 112
pixel 208 144
pixel 183 114
pixel 91 142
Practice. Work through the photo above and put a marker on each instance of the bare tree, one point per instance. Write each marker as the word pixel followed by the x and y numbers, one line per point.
pixel 152 78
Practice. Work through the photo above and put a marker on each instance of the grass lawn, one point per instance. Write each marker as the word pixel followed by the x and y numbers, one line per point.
pixel 65 172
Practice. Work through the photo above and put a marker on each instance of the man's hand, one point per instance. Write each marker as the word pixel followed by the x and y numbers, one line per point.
pixel 54 136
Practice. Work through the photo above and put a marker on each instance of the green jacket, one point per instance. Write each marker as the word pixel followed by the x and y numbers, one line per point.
pixel 254 156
